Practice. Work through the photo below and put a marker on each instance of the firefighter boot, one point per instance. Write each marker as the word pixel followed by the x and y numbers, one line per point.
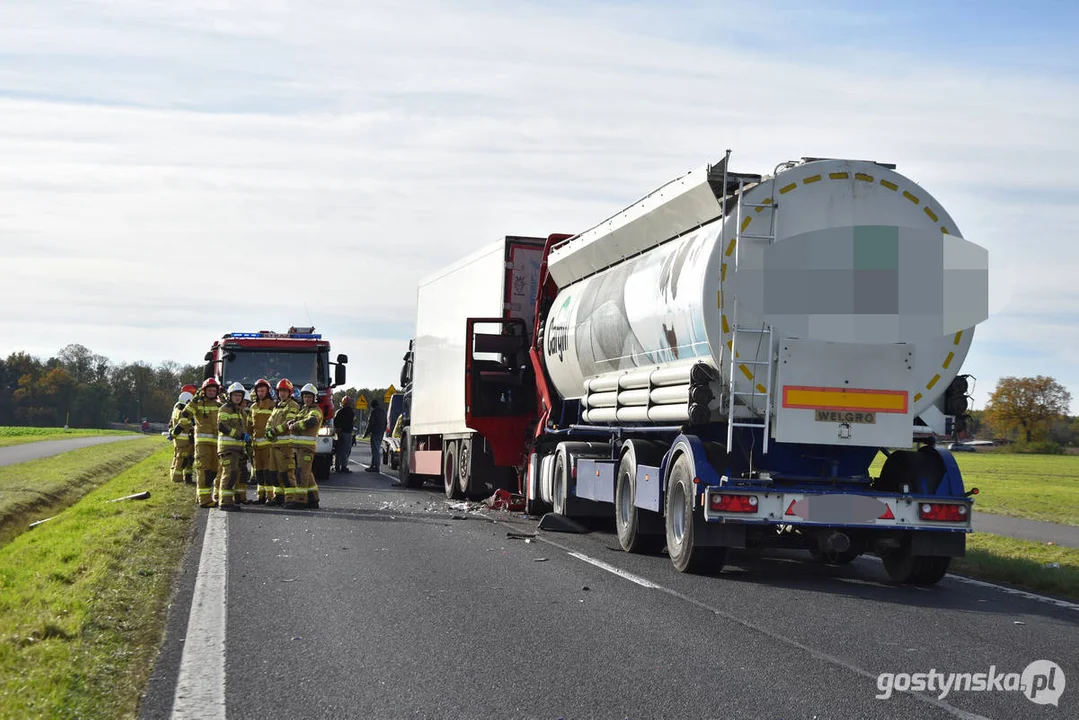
pixel 312 497
pixel 276 495
pixel 261 485
pixel 204 492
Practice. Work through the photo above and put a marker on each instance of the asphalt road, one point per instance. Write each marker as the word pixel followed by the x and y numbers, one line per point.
pixel 388 603
pixel 15 454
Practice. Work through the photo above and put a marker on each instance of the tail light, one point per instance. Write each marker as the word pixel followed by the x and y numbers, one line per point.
pixel 734 503
pixel 947 512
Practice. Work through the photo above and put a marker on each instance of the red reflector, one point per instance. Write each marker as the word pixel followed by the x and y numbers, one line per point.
pixel 735 503
pixel 887 513
pixel 790 508
pixel 947 512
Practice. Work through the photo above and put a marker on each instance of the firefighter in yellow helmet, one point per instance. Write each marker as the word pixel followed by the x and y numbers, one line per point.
pixel 233 436
pixel 261 409
pixel 304 434
pixel 202 412
pixel 282 455
pixel 183 438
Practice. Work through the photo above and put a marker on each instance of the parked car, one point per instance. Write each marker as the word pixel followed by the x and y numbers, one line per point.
pixel 960 447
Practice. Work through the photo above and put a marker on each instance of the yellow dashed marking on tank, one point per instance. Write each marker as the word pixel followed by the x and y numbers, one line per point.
pixel 932 215
pixel 761 388
pixel 719 301
pixel 746 222
pixel 948 360
pixel 746 372
pixel 863 177
pixel 786 189
pixel 944 230
pixel 908 196
pixel 730 248
pixel 730 343
pixel 811 179
pixel 765 201
pixel 723 271
pixel 958 337
pixel 839 176
pixel 889 184
pixel 726 325
pixel 929 385
pixel 917 397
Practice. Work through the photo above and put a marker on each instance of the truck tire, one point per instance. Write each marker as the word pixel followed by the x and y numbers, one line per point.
pixel 560 485
pixel 627 517
pixel 450 485
pixel 686 555
pixel 408 480
pixel 903 567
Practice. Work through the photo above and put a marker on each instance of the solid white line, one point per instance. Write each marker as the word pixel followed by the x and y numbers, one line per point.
pixel 617 571
pixel 1002 588
pixel 200 689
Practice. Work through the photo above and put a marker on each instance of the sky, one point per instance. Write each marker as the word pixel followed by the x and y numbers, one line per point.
pixel 174 170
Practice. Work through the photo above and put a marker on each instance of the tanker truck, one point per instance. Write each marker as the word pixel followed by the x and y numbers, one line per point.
pixel 718 365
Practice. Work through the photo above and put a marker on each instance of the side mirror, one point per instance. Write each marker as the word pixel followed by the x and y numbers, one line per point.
pixel 339 375
pixel 342 359
pixel 208 371
pixel 208 356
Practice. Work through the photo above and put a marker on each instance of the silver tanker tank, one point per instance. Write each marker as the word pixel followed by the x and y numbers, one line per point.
pixel 843 286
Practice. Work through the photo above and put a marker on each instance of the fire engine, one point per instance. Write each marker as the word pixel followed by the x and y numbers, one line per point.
pixel 301 355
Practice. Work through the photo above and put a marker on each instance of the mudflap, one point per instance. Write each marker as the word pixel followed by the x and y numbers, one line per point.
pixel 943 544
pixel 714 534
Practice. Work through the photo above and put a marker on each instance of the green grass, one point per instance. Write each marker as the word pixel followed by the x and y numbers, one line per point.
pixel 83 598
pixel 1021 563
pixel 37 489
pixel 12 435
pixel 1035 487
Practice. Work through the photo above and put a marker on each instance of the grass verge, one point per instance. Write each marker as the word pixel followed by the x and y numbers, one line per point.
pixel 1035 487
pixel 14 435
pixel 37 489
pixel 1021 563
pixel 83 598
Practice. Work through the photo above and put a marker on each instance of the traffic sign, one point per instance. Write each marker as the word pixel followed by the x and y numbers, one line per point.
pixel 390 391
pixel 361 403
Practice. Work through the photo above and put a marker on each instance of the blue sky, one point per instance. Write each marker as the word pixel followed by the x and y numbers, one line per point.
pixel 144 141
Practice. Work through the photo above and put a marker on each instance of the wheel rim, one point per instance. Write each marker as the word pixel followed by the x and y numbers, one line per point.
pixel 464 476
pixel 678 517
pixel 625 507
pixel 450 479
pixel 559 484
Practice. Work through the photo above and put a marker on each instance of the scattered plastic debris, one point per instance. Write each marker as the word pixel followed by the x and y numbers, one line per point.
pixel 144 495
pixel 1019 622
pixel 35 524
pixel 520 535
pixel 1052 566
pixel 505 500
pixel 539 559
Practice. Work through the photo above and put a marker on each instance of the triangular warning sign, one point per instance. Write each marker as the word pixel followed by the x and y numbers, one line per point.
pixel 887 513
pixel 790 508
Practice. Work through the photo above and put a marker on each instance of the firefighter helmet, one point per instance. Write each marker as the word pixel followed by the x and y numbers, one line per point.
pixel 345 401
pixel 247 395
pixel 185 397
pixel 309 388
pixel 261 381
pixel 284 386
pixel 189 388
pixel 210 382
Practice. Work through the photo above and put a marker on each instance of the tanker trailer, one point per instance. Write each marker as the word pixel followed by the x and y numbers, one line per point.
pixel 721 362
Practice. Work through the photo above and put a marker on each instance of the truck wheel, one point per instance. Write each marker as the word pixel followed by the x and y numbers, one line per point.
pixel 466 478
pixel 686 556
pixel 627 516
pixel 903 567
pixel 560 485
pixel 408 480
pixel 449 473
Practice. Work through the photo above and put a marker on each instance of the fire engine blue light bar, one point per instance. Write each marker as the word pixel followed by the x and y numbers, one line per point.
pixel 302 336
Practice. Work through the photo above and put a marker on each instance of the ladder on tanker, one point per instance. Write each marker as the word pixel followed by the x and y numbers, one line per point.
pixel 749 369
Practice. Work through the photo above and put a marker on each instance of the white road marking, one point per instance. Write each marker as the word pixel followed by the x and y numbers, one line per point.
pixel 200 689
pixel 617 571
pixel 1001 588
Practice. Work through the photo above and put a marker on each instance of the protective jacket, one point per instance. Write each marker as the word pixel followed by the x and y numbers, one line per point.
pixel 202 412
pixel 305 427
pixel 285 412
pixel 232 426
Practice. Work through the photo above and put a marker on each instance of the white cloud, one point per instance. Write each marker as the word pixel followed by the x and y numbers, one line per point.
pixel 160 160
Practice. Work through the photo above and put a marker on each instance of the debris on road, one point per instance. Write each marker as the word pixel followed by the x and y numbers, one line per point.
pixel 561 523
pixel 35 524
pixel 539 559
pixel 520 535
pixel 144 495
pixel 466 506
pixel 505 500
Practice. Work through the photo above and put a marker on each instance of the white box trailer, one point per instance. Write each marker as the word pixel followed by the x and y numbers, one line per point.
pixel 498 281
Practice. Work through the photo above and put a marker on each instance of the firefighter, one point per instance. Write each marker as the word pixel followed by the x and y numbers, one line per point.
pixel 239 492
pixel 232 437
pixel 202 411
pixel 261 409
pixel 183 440
pixel 282 455
pixel 304 433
